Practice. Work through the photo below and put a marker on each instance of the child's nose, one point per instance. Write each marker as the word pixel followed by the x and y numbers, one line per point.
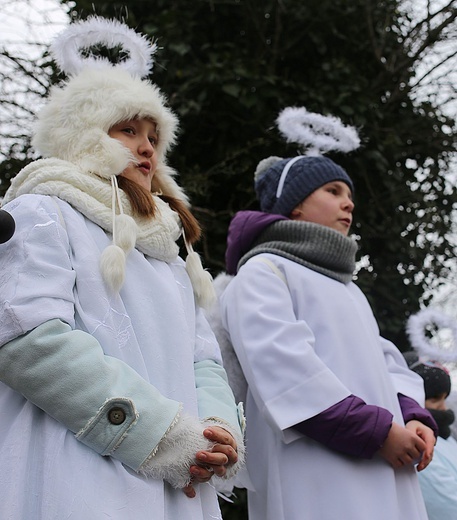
pixel 349 204
pixel 146 148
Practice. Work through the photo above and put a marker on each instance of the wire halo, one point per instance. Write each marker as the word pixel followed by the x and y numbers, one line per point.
pixel 67 46
pixel 416 327
pixel 317 133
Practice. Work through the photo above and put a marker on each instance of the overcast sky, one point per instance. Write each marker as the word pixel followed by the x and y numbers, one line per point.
pixel 23 23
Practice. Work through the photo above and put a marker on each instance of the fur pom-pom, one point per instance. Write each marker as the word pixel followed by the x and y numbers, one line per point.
pixel 126 231
pixel 264 165
pixel 202 281
pixel 112 266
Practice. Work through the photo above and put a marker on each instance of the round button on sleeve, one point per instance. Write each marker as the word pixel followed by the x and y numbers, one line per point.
pixel 116 415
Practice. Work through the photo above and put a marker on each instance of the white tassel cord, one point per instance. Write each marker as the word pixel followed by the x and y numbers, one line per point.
pixel 113 258
pixel 202 281
pixel 112 266
pixel 124 226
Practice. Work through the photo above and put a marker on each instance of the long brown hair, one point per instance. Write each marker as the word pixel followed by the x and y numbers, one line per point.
pixel 143 206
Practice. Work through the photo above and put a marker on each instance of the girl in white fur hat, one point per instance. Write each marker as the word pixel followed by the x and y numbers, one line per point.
pixel 113 398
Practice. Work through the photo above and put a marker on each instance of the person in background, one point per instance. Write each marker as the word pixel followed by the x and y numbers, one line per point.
pixel 113 398
pixel 335 422
pixel 439 480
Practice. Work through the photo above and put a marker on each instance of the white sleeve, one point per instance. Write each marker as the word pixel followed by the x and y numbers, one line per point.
pixel 276 350
pixel 405 381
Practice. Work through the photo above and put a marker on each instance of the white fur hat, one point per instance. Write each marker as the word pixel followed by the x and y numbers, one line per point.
pixel 74 124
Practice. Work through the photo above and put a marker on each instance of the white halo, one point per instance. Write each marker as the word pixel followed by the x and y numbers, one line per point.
pixel 416 327
pixel 316 132
pixel 67 46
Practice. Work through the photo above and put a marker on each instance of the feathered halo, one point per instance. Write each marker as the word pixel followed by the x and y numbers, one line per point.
pixel 315 132
pixel 417 326
pixel 68 47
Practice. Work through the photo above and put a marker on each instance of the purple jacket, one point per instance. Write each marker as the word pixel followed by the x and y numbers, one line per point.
pixel 244 228
pixel 356 428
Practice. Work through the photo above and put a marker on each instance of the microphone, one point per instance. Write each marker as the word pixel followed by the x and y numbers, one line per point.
pixel 7 226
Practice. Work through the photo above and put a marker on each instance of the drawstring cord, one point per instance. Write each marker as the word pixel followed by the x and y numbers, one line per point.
pixel 113 258
pixel 202 281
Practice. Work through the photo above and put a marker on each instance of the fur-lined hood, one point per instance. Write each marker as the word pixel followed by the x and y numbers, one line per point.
pixel 74 124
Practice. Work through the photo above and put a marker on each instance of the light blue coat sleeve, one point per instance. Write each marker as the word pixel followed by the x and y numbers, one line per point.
pixel 215 398
pixel 214 395
pixel 438 481
pixel 102 400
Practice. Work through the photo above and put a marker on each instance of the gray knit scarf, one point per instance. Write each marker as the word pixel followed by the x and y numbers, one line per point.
pixel 320 248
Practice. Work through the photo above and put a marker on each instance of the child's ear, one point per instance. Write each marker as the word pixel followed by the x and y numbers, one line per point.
pixel 295 214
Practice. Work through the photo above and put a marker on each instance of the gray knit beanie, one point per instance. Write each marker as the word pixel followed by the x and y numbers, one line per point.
pixel 296 178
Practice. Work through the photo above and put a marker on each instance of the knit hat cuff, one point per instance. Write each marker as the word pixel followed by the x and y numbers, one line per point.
pixel 281 184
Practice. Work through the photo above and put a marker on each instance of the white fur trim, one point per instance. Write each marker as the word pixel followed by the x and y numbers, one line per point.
pixel 416 329
pixel 164 183
pixel 317 133
pixel 74 124
pixel 240 447
pixel 67 46
pixel 176 452
pixel 232 366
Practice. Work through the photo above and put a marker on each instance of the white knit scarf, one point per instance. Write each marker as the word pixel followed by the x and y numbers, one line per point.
pixel 97 199
pixel 92 196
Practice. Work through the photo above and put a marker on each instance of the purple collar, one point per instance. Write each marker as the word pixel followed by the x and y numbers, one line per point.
pixel 244 228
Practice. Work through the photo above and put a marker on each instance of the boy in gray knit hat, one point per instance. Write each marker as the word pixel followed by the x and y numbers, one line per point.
pixel 283 187
pixel 335 421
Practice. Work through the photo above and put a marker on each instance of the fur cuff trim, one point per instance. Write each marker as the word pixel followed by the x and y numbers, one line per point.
pixel 176 452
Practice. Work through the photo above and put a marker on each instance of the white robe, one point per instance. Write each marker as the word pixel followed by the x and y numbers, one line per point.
pixel 152 326
pixel 304 347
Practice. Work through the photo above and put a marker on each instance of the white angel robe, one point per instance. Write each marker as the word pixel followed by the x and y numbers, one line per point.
pixel 152 326
pixel 304 346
